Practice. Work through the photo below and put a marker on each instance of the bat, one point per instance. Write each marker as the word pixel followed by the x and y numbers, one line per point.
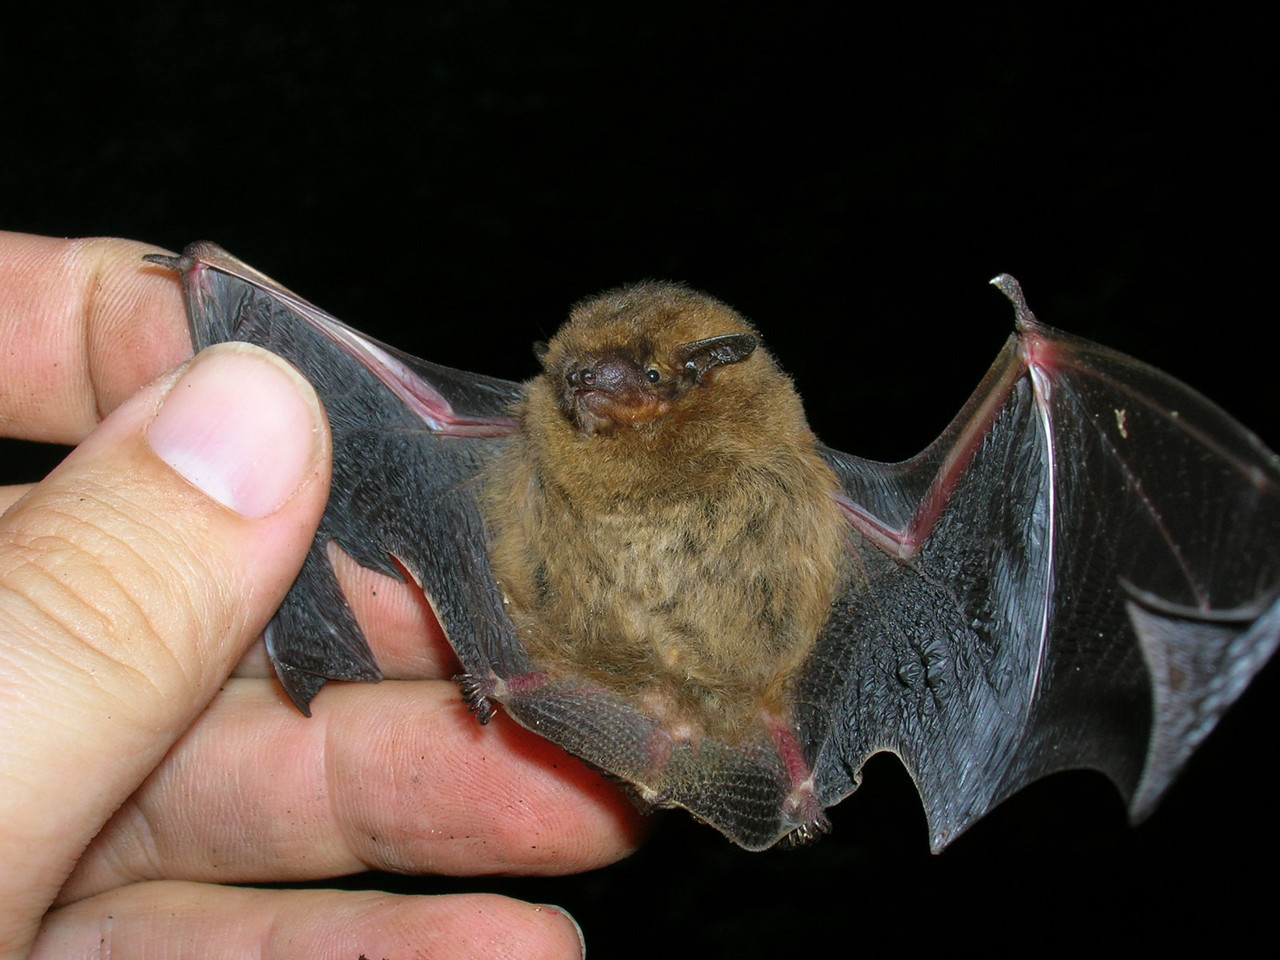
pixel 645 556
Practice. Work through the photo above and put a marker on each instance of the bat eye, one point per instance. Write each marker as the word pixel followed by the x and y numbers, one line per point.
pixel 653 374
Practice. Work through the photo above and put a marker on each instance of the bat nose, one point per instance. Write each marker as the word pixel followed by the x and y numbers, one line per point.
pixel 609 376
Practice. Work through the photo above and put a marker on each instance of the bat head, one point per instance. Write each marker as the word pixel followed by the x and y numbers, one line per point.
pixel 638 354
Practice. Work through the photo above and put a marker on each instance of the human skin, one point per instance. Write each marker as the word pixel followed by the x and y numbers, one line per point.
pixel 148 757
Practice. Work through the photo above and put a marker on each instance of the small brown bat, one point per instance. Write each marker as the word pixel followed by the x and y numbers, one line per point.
pixel 662 522
pixel 645 555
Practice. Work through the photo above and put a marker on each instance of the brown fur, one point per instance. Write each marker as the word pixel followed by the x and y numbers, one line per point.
pixel 687 558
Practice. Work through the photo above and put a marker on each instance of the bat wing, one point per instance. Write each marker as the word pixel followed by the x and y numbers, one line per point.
pixel 409 438
pixel 1082 572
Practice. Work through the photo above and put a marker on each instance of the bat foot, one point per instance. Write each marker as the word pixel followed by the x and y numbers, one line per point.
pixel 483 694
pixel 477 694
pixel 803 807
pixel 809 831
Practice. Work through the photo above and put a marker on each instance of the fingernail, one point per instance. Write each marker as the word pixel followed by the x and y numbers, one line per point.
pixel 577 928
pixel 242 426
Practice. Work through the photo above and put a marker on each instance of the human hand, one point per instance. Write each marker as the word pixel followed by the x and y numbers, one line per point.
pixel 135 777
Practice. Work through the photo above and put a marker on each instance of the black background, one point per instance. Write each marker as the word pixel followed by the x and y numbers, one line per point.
pixel 450 176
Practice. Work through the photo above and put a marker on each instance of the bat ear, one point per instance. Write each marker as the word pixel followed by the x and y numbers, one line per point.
pixel 540 349
pixel 701 355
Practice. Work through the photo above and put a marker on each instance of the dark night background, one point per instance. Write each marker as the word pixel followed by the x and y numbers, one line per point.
pixel 450 176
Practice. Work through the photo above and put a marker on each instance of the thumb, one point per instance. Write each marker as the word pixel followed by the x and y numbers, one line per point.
pixel 131 580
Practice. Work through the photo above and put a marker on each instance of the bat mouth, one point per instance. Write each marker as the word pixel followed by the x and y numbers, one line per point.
pixel 596 411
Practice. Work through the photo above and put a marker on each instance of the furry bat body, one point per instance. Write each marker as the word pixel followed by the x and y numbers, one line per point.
pixel 645 556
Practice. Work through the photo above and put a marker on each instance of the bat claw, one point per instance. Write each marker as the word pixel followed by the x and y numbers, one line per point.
pixel 803 806
pixel 809 831
pixel 476 694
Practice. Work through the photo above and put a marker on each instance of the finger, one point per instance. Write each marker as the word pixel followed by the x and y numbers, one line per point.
pixel 396 777
pixel 166 919
pixel 395 616
pixel 130 580
pixel 83 324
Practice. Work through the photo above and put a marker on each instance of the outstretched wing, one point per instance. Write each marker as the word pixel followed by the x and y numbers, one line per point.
pixel 409 438
pixel 1082 572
